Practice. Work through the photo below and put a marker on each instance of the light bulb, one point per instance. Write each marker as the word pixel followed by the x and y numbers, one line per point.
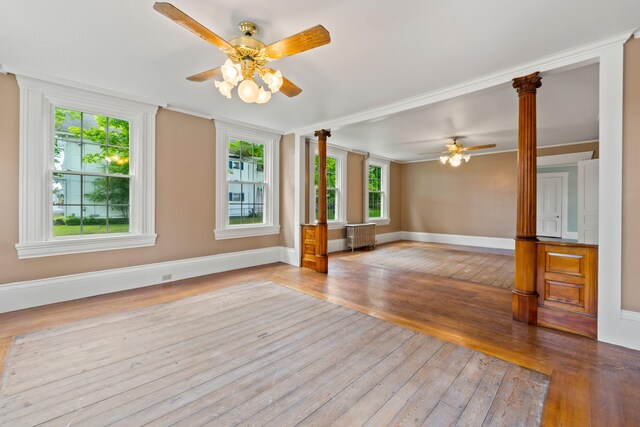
pixel 263 96
pixel 248 91
pixel 457 157
pixel 443 159
pixel 273 80
pixel 231 72
pixel 454 162
pixel 224 88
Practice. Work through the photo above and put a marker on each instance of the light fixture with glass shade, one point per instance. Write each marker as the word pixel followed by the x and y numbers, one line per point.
pixel 248 57
pixel 456 153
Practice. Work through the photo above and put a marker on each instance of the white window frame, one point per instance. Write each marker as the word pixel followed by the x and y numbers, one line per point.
pixel 38 100
pixel 384 164
pixel 341 184
pixel 226 132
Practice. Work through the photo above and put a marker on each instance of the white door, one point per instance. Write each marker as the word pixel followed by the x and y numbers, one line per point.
pixel 588 200
pixel 549 206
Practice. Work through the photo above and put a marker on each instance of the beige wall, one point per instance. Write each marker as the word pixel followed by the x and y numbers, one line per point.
pixel 185 195
pixel 475 199
pixel 287 190
pixel 631 179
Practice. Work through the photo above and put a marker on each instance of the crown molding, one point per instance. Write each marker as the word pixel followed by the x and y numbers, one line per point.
pixel 189 112
pixel 78 85
pixel 583 54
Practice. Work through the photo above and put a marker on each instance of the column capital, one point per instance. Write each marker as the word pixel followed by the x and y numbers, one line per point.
pixel 322 133
pixel 528 84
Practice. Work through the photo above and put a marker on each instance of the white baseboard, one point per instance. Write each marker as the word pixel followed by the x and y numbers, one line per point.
pixel 337 245
pixel 455 239
pixel 626 330
pixel 33 293
pixel 288 256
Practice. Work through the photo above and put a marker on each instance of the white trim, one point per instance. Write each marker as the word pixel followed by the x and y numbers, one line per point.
pixel 288 256
pixel 630 315
pixel 80 86
pixel 68 246
pixel 38 99
pixel 456 239
pixel 563 159
pixel 386 199
pixel 33 293
pixel 224 132
pixel 564 233
pixel 587 53
pixel 636 34
pixel 613 327
pixel 188 112
pixel 336 245
pixel 341 183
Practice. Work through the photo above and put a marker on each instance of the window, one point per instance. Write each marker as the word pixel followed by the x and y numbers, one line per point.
pixel 91 181
pixel 336 185
pixel 87 181
pixel 247 178
pixel 377 191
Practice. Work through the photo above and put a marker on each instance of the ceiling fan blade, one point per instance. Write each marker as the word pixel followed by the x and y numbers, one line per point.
pixel 308 39
pixel 181 18
pixel 479 147
pixel 288 88
pixel 205 75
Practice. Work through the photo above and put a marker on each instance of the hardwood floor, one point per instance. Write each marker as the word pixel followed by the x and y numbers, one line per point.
pixel 258 354
pixel 488 267
pixel 591 383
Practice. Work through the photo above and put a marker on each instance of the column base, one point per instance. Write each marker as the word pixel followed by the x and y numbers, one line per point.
pixel 525 307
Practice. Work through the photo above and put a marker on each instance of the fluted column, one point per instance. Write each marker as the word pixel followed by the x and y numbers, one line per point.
pixel 525 297
pixel 322 259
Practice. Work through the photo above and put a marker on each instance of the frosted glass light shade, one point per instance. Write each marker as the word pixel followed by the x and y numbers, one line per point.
pixel 224 88
pixel 248 91
pixel 454 162
pixel 263 96
pixel 231 72
pixel 443 159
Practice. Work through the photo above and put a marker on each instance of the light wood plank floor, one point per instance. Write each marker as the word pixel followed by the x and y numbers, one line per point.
pixel 257 354
pixel 488 267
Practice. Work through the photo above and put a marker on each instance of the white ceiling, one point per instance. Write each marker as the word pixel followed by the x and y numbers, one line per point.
pixel 567 111
pixel 381 52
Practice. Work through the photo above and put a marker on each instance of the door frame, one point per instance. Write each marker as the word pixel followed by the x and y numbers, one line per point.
pixel 564 234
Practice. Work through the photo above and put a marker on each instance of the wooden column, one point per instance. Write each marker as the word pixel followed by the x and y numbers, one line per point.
pixel 525 297
pixel 322 259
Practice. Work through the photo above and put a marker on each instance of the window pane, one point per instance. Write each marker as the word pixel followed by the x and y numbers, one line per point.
pixel 81 143
pixel 375 205
pixel 87 204
pixel 118 219
pixel 375 178
pixel 331 205
pixel 246 203
pixel 331 172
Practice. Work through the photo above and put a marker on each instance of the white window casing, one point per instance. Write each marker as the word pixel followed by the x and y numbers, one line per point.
pixel 384 165
pixel 341 184
pixel 38 100
pixel 226 132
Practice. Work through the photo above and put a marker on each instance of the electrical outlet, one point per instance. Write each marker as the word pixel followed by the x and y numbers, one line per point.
pixel 166 277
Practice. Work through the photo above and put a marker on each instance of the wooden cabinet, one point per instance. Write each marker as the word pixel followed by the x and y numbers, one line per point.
pixel 567 275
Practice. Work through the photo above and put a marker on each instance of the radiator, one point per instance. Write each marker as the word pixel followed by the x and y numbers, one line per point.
pixel 361 235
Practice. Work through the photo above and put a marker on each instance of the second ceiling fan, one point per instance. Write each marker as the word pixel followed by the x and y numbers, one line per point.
pixel 248 56
pixel 456 153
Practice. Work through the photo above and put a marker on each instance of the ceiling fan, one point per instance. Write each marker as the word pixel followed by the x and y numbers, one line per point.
pixel 248 56
pixel 456 153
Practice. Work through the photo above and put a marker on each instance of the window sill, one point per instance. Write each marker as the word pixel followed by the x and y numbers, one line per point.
pixel 379 221
pixel 76 245
pixel 248 231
